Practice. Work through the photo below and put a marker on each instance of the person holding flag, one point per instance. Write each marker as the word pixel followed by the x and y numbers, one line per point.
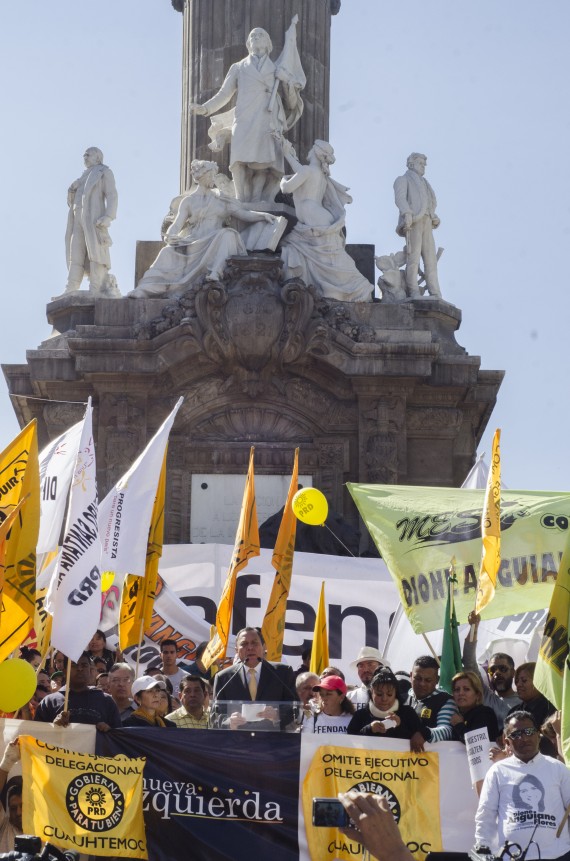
pixel 268 102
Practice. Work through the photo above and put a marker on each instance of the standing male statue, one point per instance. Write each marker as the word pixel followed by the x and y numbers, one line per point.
pixel 268 103
pixel 416 201
pixel 92 201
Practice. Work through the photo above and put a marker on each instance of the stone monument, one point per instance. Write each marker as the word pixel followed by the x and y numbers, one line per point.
pixel 370 391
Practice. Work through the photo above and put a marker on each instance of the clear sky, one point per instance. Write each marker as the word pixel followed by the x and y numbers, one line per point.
pixel 481 88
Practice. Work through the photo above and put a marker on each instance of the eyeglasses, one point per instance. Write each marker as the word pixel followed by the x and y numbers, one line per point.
pixel 498 668
pixel 519 733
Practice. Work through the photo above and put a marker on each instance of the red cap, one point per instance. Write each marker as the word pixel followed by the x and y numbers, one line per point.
pixel 331 683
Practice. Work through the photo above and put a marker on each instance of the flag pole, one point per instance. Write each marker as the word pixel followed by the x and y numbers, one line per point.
pixel 431 648
pixel 141 632
pixel 66 698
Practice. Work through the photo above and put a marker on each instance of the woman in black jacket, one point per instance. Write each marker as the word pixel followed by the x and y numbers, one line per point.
pixel 467 690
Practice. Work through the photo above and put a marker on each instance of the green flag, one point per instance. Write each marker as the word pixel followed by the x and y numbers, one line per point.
pixel 451 662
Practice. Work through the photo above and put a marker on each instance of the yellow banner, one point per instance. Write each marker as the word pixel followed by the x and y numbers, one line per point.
pixel 408 781
pixel 320 648
pixel 84 802
pixel 246 546
pixel 491 529
pixel 19 478
pixel 552 674
pixel 282 560
pixel 419 529
pixel 139 592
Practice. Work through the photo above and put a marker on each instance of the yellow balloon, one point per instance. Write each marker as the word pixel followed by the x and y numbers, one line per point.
pixel 17 684
pixel 107 578
pixel 310 506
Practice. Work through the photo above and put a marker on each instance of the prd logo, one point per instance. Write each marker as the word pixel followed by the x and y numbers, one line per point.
pixel 95 802
pixel 380 789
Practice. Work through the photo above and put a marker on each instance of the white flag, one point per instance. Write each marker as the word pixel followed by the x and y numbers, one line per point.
pixel 57 462
pixel 125 513
pixel 74 597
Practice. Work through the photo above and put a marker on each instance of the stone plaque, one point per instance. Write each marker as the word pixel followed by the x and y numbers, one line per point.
pixel 216 503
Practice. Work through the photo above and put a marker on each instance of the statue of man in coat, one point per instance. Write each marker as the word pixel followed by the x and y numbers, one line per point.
pixel 92 201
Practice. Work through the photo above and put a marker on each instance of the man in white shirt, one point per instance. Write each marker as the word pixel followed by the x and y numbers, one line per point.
pixel 524 797
pixel 367 662
pixel 170 668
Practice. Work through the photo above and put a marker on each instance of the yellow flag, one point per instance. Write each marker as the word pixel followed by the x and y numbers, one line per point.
pixel 139 592
pixel 246 546
pixel 491 530
pixel 320 649
pixel 552 673
pixel 93 804
pixel 282 560
pixel 19 478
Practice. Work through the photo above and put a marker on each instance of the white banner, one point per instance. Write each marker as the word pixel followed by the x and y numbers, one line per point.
pixel 125 513
pixel 361 599
pixel 74 596
pixel 57 462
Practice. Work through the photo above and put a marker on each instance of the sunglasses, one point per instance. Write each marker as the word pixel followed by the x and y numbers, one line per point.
pixel 519 733
pixel 498 668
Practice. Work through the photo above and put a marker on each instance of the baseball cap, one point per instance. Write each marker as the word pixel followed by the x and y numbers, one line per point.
pixel 145 683
pixel 331 683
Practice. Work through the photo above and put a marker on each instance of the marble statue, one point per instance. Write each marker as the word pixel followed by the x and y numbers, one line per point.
pixel 268 101
pixel 416 203
pixel 315 249
pixel 92 201
pixel 198 242
pixel 392 282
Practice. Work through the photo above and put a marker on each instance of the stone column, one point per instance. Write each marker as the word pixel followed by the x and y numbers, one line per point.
pixel 215 32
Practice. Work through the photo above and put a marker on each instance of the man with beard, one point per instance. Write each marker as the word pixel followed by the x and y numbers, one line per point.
pixel 367 662
pixel 498 680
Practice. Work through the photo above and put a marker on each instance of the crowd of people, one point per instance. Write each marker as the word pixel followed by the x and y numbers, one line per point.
pixel 500 698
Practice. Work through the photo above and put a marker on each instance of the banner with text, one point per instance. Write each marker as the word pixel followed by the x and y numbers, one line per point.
pixel 227 796
pixel 408 781
pixel 419 529
pixel 81 801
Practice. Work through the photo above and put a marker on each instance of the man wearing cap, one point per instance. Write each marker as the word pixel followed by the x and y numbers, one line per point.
pixel 86 704
pixel 434 707
pixel 146 693
pixel 367 662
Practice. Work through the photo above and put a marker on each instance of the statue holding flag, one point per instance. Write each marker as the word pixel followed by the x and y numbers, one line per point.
pixel 268 102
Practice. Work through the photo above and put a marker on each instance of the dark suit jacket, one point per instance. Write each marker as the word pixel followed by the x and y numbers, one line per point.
pixel 276 684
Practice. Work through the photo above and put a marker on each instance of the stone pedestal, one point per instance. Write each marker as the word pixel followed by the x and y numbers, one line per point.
pixel 370 392
pixel 214 37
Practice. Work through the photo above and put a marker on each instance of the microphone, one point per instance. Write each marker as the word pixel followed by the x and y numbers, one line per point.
pixel 237 667
pixel 282 681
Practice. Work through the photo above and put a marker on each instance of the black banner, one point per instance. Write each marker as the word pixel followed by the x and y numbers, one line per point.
pixel 215 796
